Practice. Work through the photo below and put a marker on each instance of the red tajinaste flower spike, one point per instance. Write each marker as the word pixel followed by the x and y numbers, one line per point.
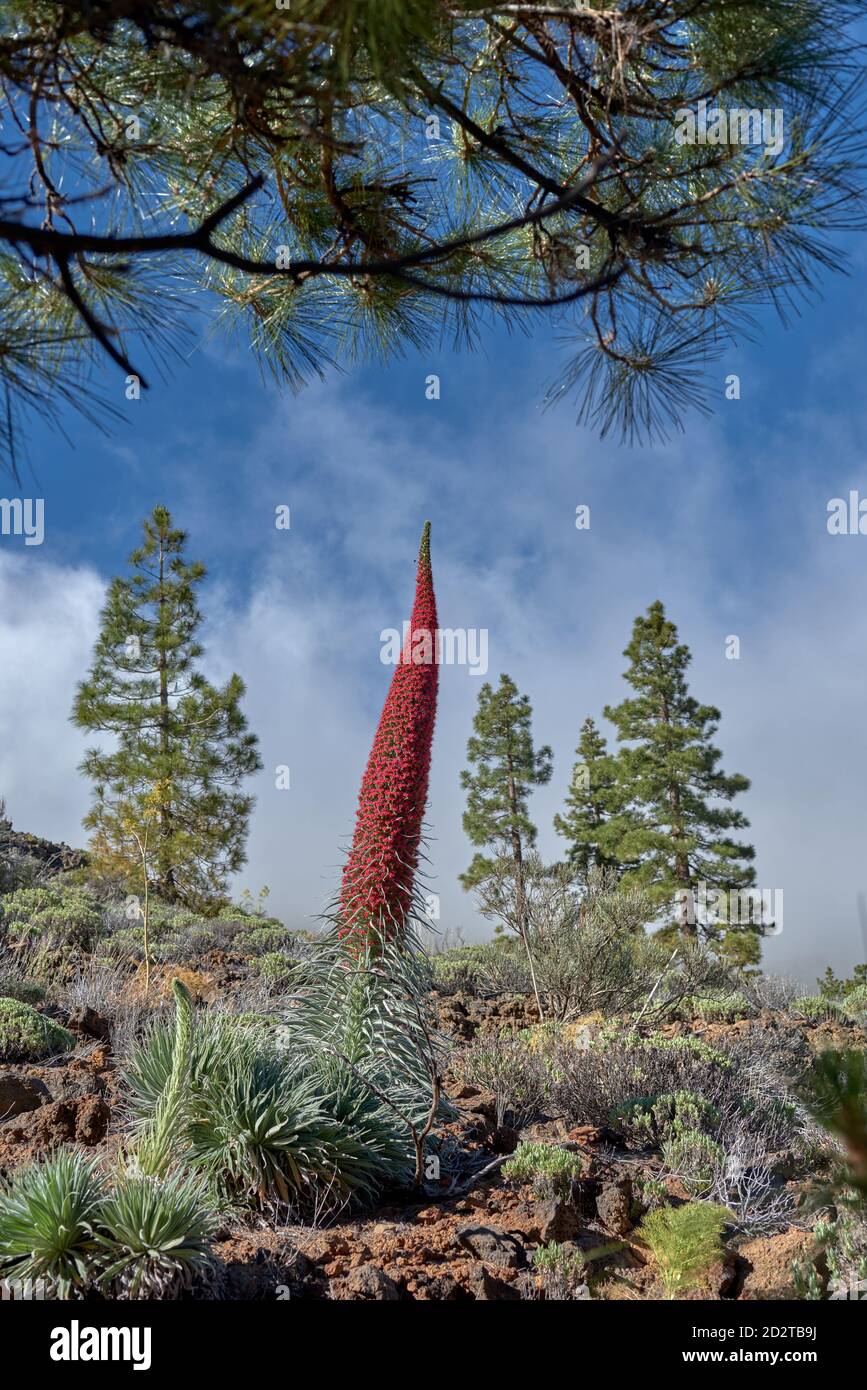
pixel 378 878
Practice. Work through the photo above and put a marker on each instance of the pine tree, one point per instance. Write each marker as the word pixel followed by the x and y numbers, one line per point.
pixel 591 801
pixel 182 745
pixel 505 769
pixel 675 825
pixel 351 178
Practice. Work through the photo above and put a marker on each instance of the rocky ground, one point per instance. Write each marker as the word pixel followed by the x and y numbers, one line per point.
pixel 467 1239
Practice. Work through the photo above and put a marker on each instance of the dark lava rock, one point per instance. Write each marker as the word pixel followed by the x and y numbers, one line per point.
pixel 19 1094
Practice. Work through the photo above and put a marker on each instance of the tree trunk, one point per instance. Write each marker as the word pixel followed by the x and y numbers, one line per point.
pixel 520 894
pixel 168 888
pixel 681 862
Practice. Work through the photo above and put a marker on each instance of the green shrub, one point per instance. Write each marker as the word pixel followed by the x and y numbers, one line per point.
pixel 183 920
pixel 231 913
pixel 650 1119
pixel 649 1192
pixel 458 970
pixel 47 1214
pixel 58 916
pixel 620 1077
pixel 26 1035
pixel 276 969
pixel 694 1157
pixel 517 1076
pixel 686 1047
pixel 563 1269
pixel 27 991
pixel 153 1236
pixel 854 1002
pixel 831 987
pixel 685 1242
pixel 128 943
pixel 844 1243
pixel 262 940
pixel 136 1237
pixel 818 1008
pixel 551 1170
pixel 724 1009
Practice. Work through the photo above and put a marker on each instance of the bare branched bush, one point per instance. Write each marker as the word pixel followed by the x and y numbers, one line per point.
pixel 503 972
pixel 588 944
pixel 101 984
pixel 774 992
pixel 516 1076
pixel 745 1086
pixel 746 1184
pixel 595 1085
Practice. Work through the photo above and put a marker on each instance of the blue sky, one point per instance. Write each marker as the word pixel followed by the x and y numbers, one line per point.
pixel 727 524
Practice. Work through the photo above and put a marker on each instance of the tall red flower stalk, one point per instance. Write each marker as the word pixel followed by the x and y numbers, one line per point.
pixel 377 890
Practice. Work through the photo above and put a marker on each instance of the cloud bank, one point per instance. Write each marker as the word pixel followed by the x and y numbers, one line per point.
pixel 731 551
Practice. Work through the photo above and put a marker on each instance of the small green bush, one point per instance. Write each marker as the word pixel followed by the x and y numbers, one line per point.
pixel 649 1192
pixel 47 1213
pixel 725 1009
pixel 262 940
pixel 550 1169
pixel 458 970
pixel 153 1236
pixel 563 1269
pixel 64 1223
pixel 517 1076
pixel 60 916
pixel 818 1008
pixel 26 1035
pixel 844 1243
pixel 650 1119
pixel 694 1157
pixel 691 1047
pixel 276 969
pixel 854 1003
pixel 685 1242
pixel 27 991
pixel 183 920
pixel 127 943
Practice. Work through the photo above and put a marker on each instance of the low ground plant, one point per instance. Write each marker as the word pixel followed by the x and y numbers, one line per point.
pixel 512 1071
pixel 551 1170
pixel 685 1242
pixel 27 1035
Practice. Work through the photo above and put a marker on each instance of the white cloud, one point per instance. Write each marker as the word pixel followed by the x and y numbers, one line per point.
pixel 48 622
pixel 730 545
